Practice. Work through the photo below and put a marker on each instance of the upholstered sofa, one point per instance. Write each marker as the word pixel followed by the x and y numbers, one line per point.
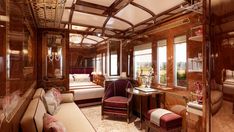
pixel 228 82
pixel 216 97
pixel 69 115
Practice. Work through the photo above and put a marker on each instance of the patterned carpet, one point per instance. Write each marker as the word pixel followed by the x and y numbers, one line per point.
pixel 110 124
pixel 223 121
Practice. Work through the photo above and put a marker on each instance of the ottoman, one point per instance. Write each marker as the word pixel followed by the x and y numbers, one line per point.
pixel 163 120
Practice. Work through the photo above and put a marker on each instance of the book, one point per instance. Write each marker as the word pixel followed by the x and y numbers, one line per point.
pixel 195 105
pixel 194 111
pixel 146 89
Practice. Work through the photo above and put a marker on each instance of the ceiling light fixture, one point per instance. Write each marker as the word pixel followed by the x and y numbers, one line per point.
pixel 99 34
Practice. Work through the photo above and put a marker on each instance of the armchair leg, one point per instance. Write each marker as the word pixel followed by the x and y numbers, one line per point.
pixel 102 117
pixel 147 129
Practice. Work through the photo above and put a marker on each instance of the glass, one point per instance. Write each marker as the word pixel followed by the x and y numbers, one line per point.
pixel 162 65
pixel 99 64
pixel 114 49
pixel 54 56
pixel 180 54
pixel 142 62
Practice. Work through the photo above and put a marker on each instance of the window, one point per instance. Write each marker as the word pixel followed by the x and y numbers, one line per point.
pixel 180 55
pixel 162 62
pixel 114 63
pixel 114 60
pixel 99 64
pixel 104 63
pixel 142 59
pixel 129 62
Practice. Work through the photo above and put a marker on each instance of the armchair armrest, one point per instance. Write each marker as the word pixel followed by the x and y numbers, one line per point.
pixel 67 97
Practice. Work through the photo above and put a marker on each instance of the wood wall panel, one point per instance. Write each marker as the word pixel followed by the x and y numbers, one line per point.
pixel 2 60
pixel 18 35
pixel 192 47
pixel 42 55
pixel 77 55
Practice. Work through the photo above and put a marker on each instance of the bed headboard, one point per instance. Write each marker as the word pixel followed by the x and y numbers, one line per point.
pixel 81 71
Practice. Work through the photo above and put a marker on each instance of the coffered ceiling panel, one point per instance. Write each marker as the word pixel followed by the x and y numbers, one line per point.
pixel 117 24
pixel 96 38
pixel 106 3
pixel 66 15
pixel 69 3
pixel 109 18
pixel 89 41
pixel 75 38
pixel 133 14
pixel 88 19
pixel 81 28
pixel 86 9
pixel 158 6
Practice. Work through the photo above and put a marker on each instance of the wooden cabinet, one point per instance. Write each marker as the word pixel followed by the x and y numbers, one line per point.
pixel 194 122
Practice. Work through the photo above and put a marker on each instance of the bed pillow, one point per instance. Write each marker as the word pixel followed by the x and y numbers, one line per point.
pixel 81 75
pixel 86 79
pixel 71 78
pixel 229 74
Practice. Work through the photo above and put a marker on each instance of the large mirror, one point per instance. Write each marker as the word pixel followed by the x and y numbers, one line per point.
pixel 114 50
pixel 54 56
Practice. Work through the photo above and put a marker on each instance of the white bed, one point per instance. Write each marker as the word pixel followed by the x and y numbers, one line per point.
pixel 83 88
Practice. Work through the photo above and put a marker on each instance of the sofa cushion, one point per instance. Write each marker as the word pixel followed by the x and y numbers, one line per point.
pixel 229 81
pixel 67 98
pixel 73 119
pixel 40 92
pixel 116 101
pixel 216 96
pixel 32 120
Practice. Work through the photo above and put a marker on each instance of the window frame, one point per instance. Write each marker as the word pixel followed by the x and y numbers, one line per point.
pixel 158 65
pixel 174 61
pixel 134 56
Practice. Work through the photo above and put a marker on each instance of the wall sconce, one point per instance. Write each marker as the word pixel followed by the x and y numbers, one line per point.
pixel 54 55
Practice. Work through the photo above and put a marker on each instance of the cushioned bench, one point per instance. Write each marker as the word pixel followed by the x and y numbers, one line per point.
pixel 167 120
pixel 69 115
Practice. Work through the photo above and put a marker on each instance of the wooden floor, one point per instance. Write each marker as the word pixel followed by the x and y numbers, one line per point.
pixel 223 121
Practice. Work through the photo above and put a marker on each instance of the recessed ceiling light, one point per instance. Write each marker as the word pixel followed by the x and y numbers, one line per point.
pixel 99 34
pixel 2 25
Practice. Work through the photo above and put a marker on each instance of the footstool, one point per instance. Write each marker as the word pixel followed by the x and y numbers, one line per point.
pixel 163 120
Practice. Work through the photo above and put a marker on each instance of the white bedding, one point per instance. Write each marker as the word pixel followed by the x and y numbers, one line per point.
pixel 86 90
pixel 74 84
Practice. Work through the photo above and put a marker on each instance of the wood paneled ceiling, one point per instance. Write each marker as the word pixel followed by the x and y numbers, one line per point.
pixel 91 22
pixel 223 15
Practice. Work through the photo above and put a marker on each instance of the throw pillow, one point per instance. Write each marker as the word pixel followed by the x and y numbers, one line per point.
pixel 52 125
pixel 57 95
pixel 50 102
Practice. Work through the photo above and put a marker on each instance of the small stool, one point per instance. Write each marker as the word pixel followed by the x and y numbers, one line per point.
pixel 169 122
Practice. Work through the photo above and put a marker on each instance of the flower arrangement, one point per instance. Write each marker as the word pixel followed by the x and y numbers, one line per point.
pixel 198 91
